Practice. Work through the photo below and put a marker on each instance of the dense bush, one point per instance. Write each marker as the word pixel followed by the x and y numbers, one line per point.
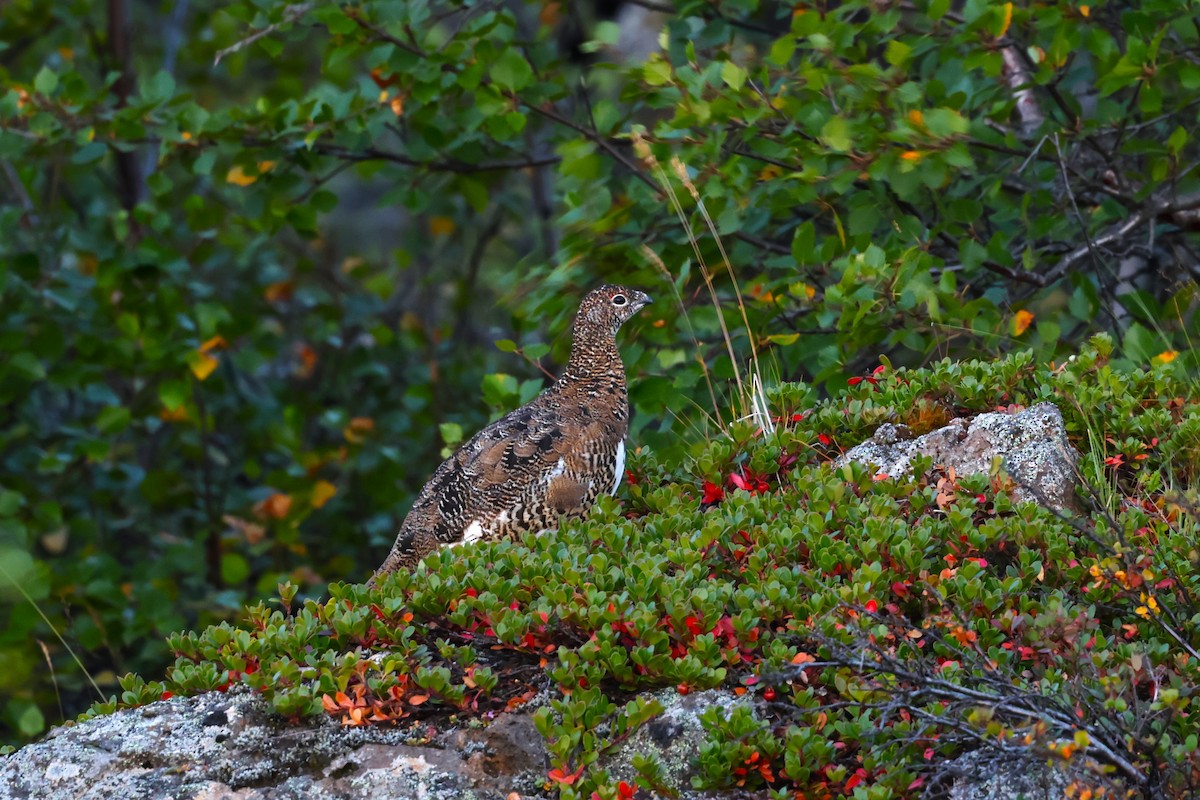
pixel 884 625
pixel 252 251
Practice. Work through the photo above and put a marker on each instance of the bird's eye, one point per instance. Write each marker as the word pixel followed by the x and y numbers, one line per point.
pixel 619 300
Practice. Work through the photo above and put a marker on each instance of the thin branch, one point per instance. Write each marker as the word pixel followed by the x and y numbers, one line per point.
pixel 291 15
pixel 666 8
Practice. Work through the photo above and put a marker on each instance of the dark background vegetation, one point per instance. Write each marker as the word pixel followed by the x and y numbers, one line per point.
pixel 255 255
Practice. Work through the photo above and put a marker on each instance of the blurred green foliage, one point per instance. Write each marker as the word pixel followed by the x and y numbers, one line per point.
pixel 256 253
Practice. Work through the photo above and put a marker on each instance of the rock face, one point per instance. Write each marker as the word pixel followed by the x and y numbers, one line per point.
pixel 228 747
pixel 987 775
pixel 1032 445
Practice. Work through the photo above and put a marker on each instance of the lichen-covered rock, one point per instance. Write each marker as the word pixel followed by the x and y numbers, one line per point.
pixel 674 737
pixel 992 775
pixel 227 746
pixel 1031 444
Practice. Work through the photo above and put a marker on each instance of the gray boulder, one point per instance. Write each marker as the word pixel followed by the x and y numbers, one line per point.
pixel 1031 445
pixel 230 747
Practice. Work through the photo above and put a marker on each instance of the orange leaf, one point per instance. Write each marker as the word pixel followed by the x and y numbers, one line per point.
pixel 279 292
pixel 308 361
pixel 173 414
pixel 441 226
pixel 1165 357
pixel 215 343
pixel 357 427
pixel 276 506
pixel 322 492
pixel 417 699
pixel 917 118
pixel 1021 322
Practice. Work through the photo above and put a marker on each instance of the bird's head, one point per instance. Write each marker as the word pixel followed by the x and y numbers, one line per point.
pixel 607 307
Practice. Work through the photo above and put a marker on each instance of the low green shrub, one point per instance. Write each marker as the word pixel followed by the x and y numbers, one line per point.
pixel 881 626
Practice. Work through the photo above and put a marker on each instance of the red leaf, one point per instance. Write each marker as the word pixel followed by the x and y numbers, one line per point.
pixel 738 480
pixel 856 778
pixel 558 776
pixel 872 606
pixel 712 494
pixel 824 439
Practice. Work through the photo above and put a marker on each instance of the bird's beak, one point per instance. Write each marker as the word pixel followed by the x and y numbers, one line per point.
pixel 643 300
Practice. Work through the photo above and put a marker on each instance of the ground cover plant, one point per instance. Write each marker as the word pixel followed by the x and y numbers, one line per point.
pixel 264 260
pixel 881 626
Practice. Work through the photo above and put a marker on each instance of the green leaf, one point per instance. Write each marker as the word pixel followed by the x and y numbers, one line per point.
pixel 836 134
pixel 46 81
pixel 506 345
pixel 657 72
pixel 27 365
pixel 1177 140
pixel 173 394
pixel 10 502
pixel 113 419
pixel 158 88
pixel 511 70
pixel 452 433
pixel 781 51
pixel 234 568
pixel 897 53
pixel 733 75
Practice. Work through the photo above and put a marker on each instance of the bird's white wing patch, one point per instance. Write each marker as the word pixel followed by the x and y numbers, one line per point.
pixel 620 470
pixel 557 470
pixel 473 533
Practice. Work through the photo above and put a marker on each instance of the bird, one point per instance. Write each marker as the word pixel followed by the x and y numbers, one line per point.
pixel 548 460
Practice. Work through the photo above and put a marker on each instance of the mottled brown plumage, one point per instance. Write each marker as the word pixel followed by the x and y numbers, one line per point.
pixel 547 460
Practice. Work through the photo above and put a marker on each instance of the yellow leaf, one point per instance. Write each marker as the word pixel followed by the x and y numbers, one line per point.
pixel 1021 322
pixel 215 343
pixel 1007 9
pixel 1082 740
pixel 202 364
pixel 912 155
pixel 1085 11
pixel 1165 357
pixel 441 226
pixel 238 176
pixel 398 105
pixel 322 493
pixel 916 118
